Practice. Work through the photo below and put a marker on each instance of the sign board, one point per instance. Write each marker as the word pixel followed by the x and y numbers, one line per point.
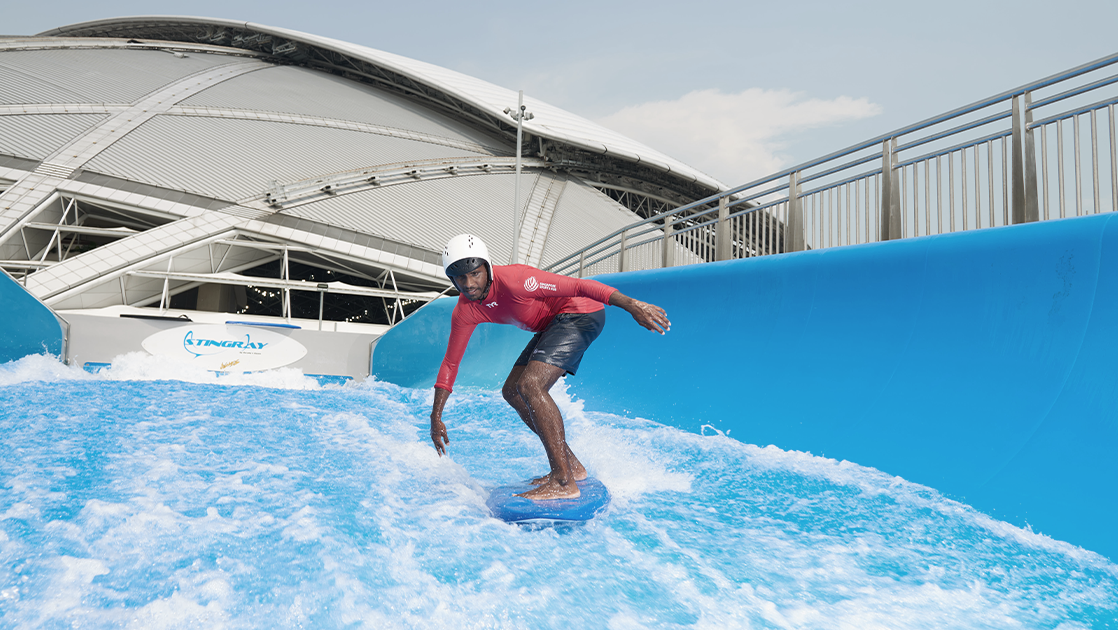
pixel 226 348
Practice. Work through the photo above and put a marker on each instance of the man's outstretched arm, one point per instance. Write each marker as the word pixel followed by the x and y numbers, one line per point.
pixel 438 429
pixel 648 315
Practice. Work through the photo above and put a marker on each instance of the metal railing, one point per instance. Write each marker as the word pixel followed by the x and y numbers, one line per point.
pixel 974 167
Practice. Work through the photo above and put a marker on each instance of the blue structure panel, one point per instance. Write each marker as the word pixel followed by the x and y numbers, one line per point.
pixel 29 327
pixel 943 360
pixel 410 354
pixel 981 364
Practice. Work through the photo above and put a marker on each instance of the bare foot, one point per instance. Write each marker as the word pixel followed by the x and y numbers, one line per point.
pixel 579 476
pixel 577 471
pixel 552 490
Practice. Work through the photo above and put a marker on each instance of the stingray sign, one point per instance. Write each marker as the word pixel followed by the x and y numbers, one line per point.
pixel 226 348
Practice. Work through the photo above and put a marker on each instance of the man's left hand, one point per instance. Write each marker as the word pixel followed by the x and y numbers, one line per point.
pixel 648 315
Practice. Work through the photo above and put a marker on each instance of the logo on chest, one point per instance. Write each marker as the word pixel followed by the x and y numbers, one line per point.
pixel 491 305
pixel 531 285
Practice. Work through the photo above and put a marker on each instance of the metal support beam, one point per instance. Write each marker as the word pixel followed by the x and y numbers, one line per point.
pixel 621 253
pixel 722 240
pixel 669 244
pixel 322 289
pixel 520 115
pixel 285 276
pixel 516 199
pixel 164 298
pixel 794 228
pixel 398 309
pixel 280 283
pixel 890 223
pixel 1025 204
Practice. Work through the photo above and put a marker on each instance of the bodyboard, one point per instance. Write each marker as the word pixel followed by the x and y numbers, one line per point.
pixel 505 505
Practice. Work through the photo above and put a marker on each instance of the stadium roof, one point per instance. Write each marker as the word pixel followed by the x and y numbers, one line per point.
pixel 467 96
pixel 144 157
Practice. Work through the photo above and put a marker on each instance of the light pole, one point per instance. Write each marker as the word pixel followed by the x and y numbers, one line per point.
pixel 519 115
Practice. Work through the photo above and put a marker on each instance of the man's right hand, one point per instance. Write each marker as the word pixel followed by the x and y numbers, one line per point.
pixel 438 436
pixel 438 429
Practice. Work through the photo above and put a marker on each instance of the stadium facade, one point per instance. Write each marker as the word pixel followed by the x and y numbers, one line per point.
pixel 161 169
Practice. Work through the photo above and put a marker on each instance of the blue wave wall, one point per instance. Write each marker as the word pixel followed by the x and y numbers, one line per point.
pixel 982 364
pixel 26 325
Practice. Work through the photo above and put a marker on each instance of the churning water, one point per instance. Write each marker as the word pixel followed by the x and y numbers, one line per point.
pixel 266 501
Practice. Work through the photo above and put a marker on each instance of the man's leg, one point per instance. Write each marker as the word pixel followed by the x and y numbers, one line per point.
pixel 533 386
pixel 514 399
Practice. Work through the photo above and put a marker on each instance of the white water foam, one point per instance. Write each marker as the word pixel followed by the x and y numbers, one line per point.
pixel 162 503
pixel 140 366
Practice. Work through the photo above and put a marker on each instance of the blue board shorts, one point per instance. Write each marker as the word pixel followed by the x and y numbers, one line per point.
pixel 565 339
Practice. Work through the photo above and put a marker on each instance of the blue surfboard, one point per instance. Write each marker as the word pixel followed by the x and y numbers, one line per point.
pixel 505 505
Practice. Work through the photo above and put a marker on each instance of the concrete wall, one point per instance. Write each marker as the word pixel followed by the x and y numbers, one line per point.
pixel 983 364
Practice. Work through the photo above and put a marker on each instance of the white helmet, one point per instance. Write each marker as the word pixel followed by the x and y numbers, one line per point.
pixel 463 254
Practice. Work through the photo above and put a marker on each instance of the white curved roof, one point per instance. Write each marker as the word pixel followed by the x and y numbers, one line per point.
pixel 550 122
pixel 123 162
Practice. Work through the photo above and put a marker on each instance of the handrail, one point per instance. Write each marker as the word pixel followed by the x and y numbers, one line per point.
pixel 896 199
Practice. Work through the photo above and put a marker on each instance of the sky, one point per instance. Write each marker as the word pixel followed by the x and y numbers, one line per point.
pixel 735 89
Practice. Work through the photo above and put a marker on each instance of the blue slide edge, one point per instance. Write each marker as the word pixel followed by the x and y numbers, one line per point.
pixel 29 327
pixel 983 364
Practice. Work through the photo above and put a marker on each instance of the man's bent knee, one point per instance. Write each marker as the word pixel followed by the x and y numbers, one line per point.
pixel 509 392
pixel 530 389
pixel 512 397
pixel 535 382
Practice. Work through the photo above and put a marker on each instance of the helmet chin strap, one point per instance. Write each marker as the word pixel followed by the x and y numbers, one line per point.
pixel 489 273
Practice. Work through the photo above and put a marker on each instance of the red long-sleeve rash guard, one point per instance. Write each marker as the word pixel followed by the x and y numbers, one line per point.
pixel 523 296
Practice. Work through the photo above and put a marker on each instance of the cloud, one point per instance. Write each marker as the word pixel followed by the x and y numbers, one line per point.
pixel 734 137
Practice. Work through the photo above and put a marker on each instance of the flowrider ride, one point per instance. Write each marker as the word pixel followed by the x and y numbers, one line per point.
pixel 567 315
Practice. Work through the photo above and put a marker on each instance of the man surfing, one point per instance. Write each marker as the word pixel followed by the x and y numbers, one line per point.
pixel 567 315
